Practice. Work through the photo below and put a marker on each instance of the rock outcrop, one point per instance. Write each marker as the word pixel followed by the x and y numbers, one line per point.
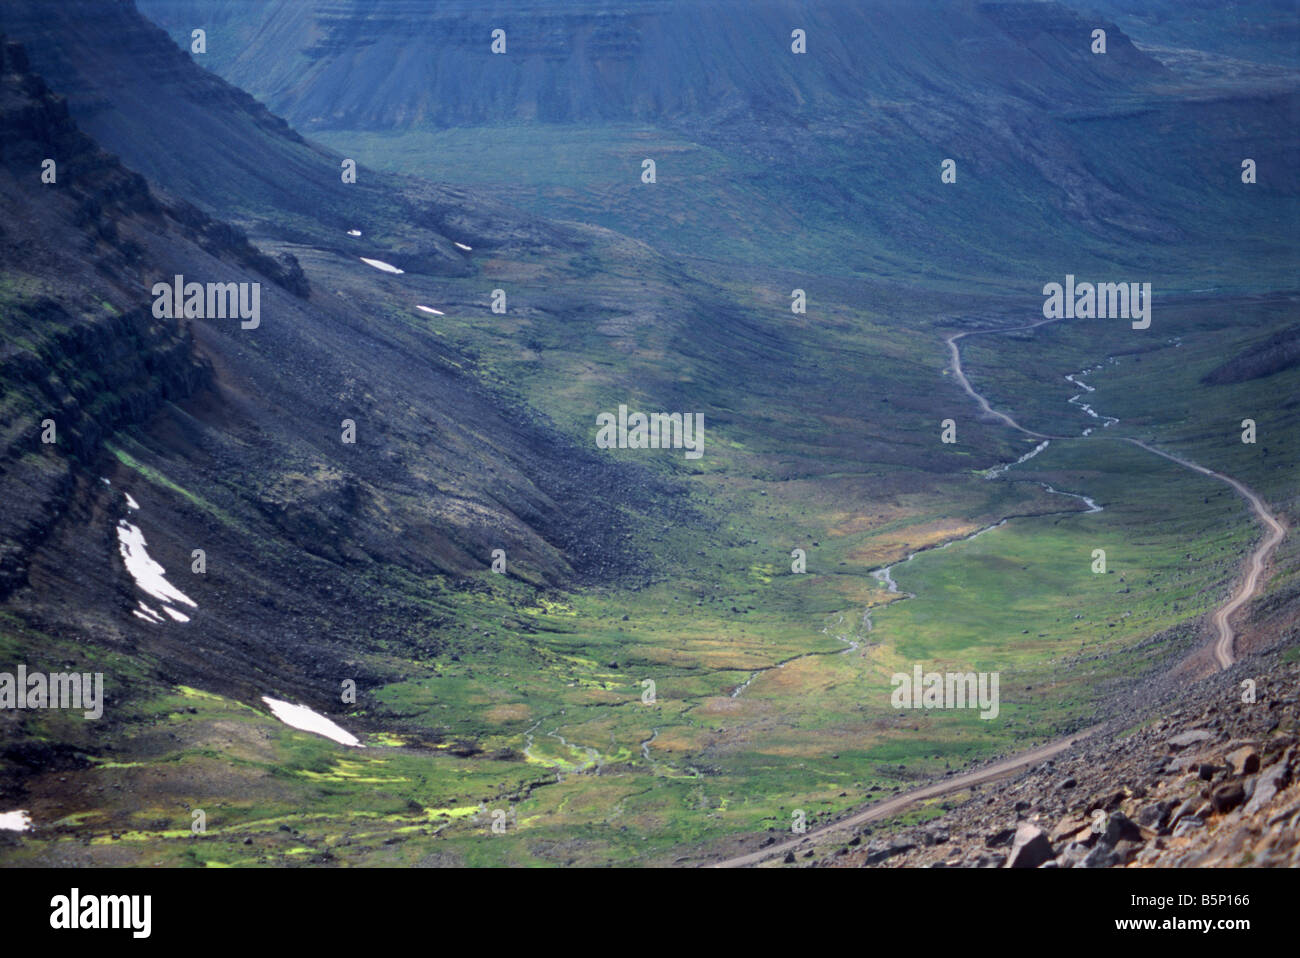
pixel 1214 782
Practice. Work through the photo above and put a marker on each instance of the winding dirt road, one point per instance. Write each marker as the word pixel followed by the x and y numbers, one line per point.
pixel 892 806
pixel 1223 646
pixel 1224 651
pixel 958 374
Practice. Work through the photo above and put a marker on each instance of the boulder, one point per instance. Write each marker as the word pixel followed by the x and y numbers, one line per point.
pixel 1126 851
pixel 1154 815
pixel 1067 828
pixel 1270 782
pixel 1030 847
pixel 1227 796
pixel 1244 761
pixel 1072 855
pixel 1192 737
pixel 936 836
pixel 878 852
pixel 1182 811
pixel 1119 827
pixel 1001 837
pixel 1100 857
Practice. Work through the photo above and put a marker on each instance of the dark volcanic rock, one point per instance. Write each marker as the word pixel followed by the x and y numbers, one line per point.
pixel 877 852
pixel 1030 847
pixel 1002 836
pixel 1190 737
pixel 1120 828
pixel 1242 819
pixel 1227 796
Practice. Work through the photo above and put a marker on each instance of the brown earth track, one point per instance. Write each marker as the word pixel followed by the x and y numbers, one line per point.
pixel 1223 647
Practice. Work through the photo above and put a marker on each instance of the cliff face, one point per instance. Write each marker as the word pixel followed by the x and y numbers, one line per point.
pixel 1276 353
pixel 79 348
pixel 81 344
pixel 229 439
pixel 1062 154
pixel 386 64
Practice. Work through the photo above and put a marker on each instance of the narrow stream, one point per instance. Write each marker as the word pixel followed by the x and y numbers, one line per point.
pixel 885 574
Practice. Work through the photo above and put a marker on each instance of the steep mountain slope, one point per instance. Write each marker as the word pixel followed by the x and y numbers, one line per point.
pixel 384 65
pixel 1207 777
pixel 140 96
pixel 229 439
pixel 330 562
pixel 82 347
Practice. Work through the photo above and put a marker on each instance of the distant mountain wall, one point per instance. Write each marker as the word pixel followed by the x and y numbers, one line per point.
pixel 1067 160
pixel 401 64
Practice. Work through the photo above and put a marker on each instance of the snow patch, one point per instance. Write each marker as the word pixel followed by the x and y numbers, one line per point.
pixel 380 264
pixel 149 614
pixel 301 717
pixel 147 573
pixel 18 821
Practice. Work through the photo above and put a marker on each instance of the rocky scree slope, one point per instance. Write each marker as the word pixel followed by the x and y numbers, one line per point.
pixel 80 344
pixel 1207 780
pixel 229 440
